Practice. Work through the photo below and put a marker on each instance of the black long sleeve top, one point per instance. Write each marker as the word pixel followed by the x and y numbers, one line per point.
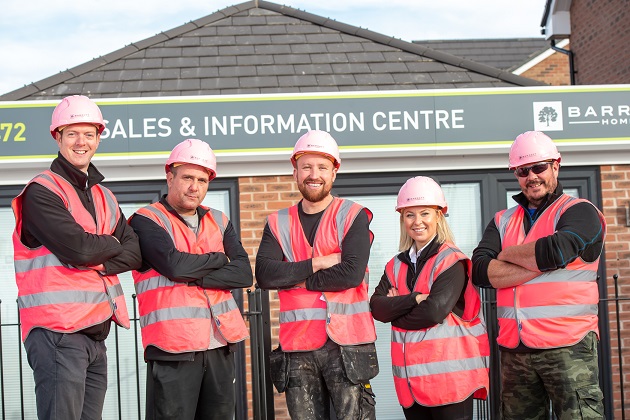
pixel 446 295
pixel 214 270
pixel 46 221
pixel 272 272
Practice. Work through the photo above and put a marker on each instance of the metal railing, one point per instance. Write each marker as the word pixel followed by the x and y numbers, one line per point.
pixel 18 402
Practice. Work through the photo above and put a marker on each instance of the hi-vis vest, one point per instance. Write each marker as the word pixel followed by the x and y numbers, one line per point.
pixel 448 362
pixel 557 308
pixel 176 317
pixel 58 296
pixel 308 318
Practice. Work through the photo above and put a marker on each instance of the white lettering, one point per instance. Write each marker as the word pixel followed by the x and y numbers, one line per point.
pixel 574 111
pixel 378 126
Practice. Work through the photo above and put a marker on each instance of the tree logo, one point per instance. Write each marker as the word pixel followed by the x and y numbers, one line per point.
pixel 548 116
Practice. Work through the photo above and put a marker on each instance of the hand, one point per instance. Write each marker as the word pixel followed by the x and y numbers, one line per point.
pixel 326 261
pixel 420 297
pixel 392 292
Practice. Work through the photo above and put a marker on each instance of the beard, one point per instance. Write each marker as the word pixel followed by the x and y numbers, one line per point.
pixel 314 196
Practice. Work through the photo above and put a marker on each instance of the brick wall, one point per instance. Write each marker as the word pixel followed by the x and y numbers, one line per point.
pixel 616 199
pixel 554 70
pixel 599 39
pixel 258 197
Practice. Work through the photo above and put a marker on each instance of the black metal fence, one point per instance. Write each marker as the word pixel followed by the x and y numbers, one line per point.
pixel 125 397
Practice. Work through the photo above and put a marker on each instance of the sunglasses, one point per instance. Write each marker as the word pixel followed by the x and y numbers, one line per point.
pixel 538 168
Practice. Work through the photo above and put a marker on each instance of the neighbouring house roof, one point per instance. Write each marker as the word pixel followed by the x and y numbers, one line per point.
pixel 262 47
pixel 505 54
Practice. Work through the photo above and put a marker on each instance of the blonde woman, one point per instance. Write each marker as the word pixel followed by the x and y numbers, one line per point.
pixel 439 341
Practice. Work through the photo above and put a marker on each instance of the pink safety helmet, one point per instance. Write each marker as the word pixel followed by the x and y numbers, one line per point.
pixel 421 191
pixel 532 147
pixel 318 142
pixel 196 152
pixel 76 109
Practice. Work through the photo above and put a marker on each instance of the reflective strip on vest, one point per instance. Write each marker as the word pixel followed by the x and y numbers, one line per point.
pixel 308 314
pixel 445 331
pixel 544 312
pixel 285 234
pixel 153 283
pixel 443 367
pixel 348 308
pixel 169 314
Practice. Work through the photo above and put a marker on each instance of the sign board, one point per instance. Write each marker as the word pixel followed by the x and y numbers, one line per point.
pixel 252 123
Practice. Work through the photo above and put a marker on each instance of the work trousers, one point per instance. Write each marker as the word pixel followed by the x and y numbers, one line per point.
pixel 457 411
pixel 316 378
pixel 567 376
pixel 201 389
pixel 70 372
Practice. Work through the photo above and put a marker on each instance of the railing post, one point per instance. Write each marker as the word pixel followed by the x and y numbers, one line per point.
pixel 623 409
pixel 135 344
pixel 20 361
pixel 1 366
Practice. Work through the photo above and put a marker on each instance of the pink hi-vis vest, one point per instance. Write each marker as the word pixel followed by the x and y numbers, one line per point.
pixel 557 308
pixel 177 317
pixel 58 296
pixel 308 318
pixel 448 362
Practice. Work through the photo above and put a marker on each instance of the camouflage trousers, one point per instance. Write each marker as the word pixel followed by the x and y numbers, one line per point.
pixel 567 377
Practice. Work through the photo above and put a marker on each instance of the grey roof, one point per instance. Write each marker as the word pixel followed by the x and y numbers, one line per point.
pixel 262 47
pixel 505 54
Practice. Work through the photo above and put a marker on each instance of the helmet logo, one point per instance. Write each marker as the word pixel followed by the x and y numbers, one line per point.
pixel 415 198
pixel 318 146
pixel 526 156
pixel 79 115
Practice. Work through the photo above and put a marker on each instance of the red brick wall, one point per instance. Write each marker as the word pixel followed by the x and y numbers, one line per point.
pixel 616 199
pixel 554 70
pixel 599 39
pixel 260 196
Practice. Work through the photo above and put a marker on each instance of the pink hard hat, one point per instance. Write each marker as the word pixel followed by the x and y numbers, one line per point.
pixel 196 152
pixel 318 142
pixel 76 109
pixel 421 191
pixel 532 147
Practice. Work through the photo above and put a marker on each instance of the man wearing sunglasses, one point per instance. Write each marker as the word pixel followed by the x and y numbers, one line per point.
pixel 542 258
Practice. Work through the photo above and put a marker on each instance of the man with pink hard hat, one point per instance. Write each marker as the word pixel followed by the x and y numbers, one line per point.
pixel 71 240
pixel 315 254
pixel 191 260
pixel 542 257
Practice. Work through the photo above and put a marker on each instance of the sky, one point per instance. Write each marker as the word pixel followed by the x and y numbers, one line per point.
pixel 40 38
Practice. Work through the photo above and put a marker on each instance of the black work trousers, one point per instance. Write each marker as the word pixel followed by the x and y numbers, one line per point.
pixel 202 389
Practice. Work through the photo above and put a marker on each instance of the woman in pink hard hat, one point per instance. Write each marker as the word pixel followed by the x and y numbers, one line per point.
pixel 70 242
pixel 439 343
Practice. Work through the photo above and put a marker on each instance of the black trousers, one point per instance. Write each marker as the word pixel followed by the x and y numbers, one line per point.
pixel 458 411
pixel 201 389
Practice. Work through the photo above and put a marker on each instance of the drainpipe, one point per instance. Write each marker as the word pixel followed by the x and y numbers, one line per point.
pixel 570 54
